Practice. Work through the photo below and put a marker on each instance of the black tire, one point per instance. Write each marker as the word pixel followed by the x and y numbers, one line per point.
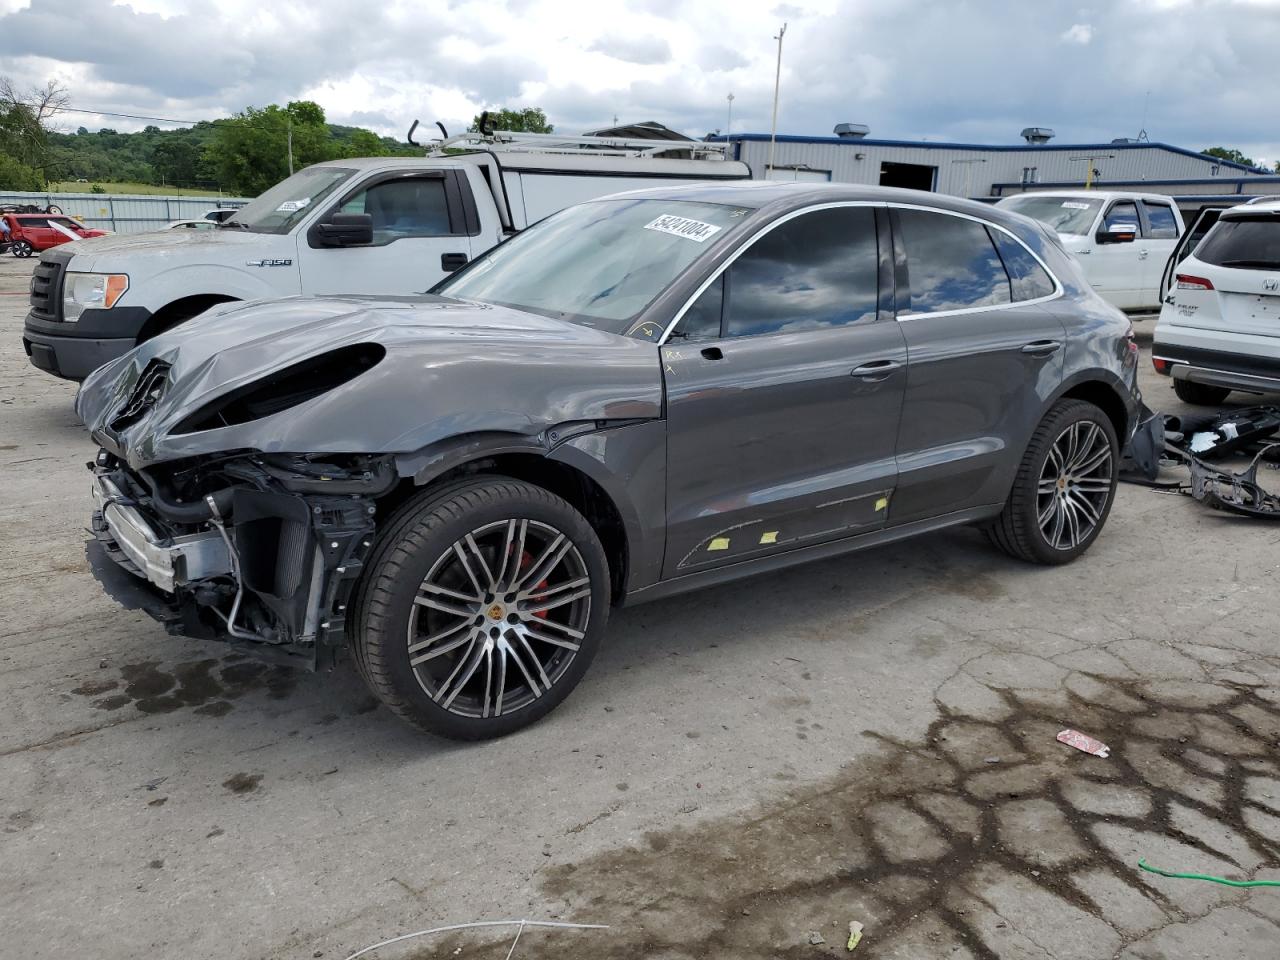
pixel 53 208
pixel 418 538
pixel 1200 394
pixel 21 248
pixel 1018 529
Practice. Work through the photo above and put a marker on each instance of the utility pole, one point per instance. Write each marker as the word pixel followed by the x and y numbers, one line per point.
pixel 290 137
pixel 777 80
pixel 728 124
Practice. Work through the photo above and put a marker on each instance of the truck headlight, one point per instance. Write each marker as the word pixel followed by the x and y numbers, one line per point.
pixel 91 291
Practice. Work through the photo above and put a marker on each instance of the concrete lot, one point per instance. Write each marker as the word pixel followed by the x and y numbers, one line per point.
pixel 743 772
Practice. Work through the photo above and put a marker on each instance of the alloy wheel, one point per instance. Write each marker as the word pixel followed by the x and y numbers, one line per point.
pixel 499 618
pixel 1075 484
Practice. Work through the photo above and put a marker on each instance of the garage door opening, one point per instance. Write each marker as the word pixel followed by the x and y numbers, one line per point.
pixel 911 176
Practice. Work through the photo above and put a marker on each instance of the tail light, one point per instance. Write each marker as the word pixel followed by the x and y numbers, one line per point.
pixel 1161 365
pixel 1187 282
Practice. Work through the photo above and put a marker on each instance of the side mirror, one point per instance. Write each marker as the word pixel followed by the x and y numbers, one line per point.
pixel 343 230
pixel 1119 233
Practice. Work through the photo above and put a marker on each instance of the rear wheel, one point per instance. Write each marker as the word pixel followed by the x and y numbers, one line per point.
pixel 22 248
pixel 1200 394
pixel 483 607
pixel 1064 488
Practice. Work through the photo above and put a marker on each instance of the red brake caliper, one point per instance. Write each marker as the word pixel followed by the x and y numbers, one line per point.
pixel 526 560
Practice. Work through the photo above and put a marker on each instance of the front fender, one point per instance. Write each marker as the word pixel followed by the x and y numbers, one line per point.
pixel 189 280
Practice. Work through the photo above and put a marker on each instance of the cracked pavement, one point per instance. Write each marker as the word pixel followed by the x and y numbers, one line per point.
pixel 869 739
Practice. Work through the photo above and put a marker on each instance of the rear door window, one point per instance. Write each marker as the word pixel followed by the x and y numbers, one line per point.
pixel 1251 242
pixel 1028 280
pixel 820 269
pixel 1163 224
pixel 951 264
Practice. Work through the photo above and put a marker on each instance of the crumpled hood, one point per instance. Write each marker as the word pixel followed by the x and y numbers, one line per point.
pixel 451 368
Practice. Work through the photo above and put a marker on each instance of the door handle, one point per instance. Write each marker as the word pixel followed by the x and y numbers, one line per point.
pixel 1042 348
pixel 450 262
pixel 875 370
pixel 1142 254
pixel 712 353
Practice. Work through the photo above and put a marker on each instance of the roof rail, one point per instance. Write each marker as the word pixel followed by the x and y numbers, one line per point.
pixel 510 141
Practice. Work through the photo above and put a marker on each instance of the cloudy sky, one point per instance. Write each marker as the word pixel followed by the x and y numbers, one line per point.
pixel 1201 73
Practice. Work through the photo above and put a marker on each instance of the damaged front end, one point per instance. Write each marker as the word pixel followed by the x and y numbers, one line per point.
pixel 258 547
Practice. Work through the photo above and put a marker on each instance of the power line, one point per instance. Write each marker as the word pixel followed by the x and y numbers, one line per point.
pixel 127 116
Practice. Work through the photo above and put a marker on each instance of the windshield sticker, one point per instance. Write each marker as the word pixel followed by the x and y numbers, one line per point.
pixel 694 230
pixel 1074 205
pixel 293 206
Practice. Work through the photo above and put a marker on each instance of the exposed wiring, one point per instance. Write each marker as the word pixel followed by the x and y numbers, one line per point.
pixel 1204 876
pixel 483 923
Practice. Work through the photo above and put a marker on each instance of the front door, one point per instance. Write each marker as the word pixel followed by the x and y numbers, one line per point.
pixel 421 232
pixel 983 357
pixel 784 388
pixel 1118 270
pixel 1159 237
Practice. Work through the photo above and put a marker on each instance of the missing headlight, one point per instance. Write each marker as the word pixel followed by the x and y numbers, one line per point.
pixel 285 388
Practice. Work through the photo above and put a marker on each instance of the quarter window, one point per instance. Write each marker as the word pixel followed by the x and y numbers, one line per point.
pixel 411 207
pixel 1027 279
pixel 1123 214
pixel 702 320
pixel 817 270
pixel 1163 224
pixel 951 264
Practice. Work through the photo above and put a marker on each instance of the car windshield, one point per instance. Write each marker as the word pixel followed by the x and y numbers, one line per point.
pixel 599 263
pixel 1069 215
pixel 1251 241
pixel 277 210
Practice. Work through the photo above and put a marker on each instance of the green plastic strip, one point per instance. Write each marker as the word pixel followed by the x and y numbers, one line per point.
pixel 1204 876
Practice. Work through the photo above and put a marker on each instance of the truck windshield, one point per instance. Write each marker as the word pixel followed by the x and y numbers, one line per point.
pixel 277 210
pixel 1070 215
pixel 598 263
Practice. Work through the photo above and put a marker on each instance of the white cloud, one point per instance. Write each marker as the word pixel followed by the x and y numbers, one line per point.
pixel 1080 33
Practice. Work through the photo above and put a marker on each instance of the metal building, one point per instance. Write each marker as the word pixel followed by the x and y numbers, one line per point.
pixel 986 171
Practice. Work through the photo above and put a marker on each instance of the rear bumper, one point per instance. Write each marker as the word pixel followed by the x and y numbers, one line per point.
pixel 74 350
pixel 1219 368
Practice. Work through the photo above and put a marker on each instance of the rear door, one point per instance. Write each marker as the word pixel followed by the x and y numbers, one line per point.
pixel 423 225
pixel 36 231
pixel 1156 245
pixel 1116 270
pixel 983 358
pixel 1200 226
pixel 784 385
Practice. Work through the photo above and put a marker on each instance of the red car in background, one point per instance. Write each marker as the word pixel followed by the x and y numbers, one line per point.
pixel 32 232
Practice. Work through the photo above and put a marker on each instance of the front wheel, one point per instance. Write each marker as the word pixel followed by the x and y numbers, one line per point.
pixel 22 248
pixel 482 608
pixel 1064 487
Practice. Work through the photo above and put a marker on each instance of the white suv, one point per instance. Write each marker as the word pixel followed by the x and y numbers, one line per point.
pixel 1219 329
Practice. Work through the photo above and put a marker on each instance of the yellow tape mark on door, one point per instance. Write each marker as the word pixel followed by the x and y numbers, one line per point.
pixel 719 543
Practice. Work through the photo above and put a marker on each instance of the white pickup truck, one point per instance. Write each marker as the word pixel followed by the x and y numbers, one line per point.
pixel 390 225
pixel 1122 240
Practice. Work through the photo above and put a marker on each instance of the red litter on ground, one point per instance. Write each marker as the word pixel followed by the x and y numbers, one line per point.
pixel 1082 741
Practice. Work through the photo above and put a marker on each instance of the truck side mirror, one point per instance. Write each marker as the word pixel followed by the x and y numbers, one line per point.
pixel 1118 233
pixel 343 230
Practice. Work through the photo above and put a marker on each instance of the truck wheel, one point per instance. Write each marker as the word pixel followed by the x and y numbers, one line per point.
pixel 482 608
pixel 1200 394
pixel 1064 487
pixel 21 248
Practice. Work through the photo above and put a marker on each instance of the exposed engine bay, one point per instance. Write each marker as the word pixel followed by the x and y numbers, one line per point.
pixel 258 547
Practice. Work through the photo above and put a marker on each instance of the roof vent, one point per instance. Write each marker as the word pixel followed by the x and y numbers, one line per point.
pixel 851 131
pixel 1037 134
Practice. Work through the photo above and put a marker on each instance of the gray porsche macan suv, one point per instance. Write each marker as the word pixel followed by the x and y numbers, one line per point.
pixel 640 395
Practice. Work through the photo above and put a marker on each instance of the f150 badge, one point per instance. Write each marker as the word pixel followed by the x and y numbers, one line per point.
pixel 268 263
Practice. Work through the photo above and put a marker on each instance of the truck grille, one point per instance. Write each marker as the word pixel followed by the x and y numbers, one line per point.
pixel 46 289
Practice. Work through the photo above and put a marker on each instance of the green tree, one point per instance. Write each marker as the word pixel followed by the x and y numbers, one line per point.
pixel 1228 153
pixel 250 151
pixel 15 175
pixel 176 160
pixel 364 143
pixel 528 120
pixel 24 123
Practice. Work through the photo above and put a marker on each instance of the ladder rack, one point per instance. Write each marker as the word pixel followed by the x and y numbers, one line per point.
pixel 510 141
